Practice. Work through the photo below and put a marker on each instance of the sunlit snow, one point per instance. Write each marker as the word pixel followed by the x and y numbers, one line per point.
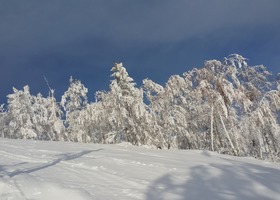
pixel 60 170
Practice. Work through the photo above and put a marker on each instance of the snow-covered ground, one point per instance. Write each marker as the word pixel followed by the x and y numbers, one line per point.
pixel 56 170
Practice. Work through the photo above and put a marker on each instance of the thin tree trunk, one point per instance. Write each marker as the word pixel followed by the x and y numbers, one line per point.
pixel 231 144
pixel 211 128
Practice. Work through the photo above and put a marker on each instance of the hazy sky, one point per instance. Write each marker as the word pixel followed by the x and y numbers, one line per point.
pixel 153 39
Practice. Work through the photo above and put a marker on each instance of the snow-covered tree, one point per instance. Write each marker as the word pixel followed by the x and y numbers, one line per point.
pixel 154 94
pixel 220 95
pixel 93 119
pixel 22 123
pixel 226 106
pixel 33 117
pixel 3 119
pixel 48 116
pixel 262 127
pixel 126 112
pixel 167 106
pixel 74 101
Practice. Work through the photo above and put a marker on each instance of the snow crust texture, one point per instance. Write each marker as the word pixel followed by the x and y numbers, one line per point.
pixel 36 170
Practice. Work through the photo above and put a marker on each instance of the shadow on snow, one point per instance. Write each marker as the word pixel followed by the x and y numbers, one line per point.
pixel 62 157
pixel 235 180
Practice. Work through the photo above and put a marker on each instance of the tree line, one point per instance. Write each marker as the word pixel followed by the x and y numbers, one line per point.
pixel 226 106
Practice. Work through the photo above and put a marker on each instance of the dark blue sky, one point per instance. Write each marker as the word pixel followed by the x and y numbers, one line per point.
pixel 154 39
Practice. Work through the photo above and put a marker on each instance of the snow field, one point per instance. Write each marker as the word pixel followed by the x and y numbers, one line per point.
pixel 59 170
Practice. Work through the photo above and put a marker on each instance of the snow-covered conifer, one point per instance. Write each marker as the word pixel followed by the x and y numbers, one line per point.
pixel 73 101
pixel 125 109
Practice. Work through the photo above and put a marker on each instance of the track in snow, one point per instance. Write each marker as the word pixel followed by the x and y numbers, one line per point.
pixel 55 170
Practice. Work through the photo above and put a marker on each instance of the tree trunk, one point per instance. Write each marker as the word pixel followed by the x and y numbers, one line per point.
pixel 211 128
pixel 231 144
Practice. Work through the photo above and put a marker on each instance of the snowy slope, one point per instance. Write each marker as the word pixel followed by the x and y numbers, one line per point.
pixel 72 171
